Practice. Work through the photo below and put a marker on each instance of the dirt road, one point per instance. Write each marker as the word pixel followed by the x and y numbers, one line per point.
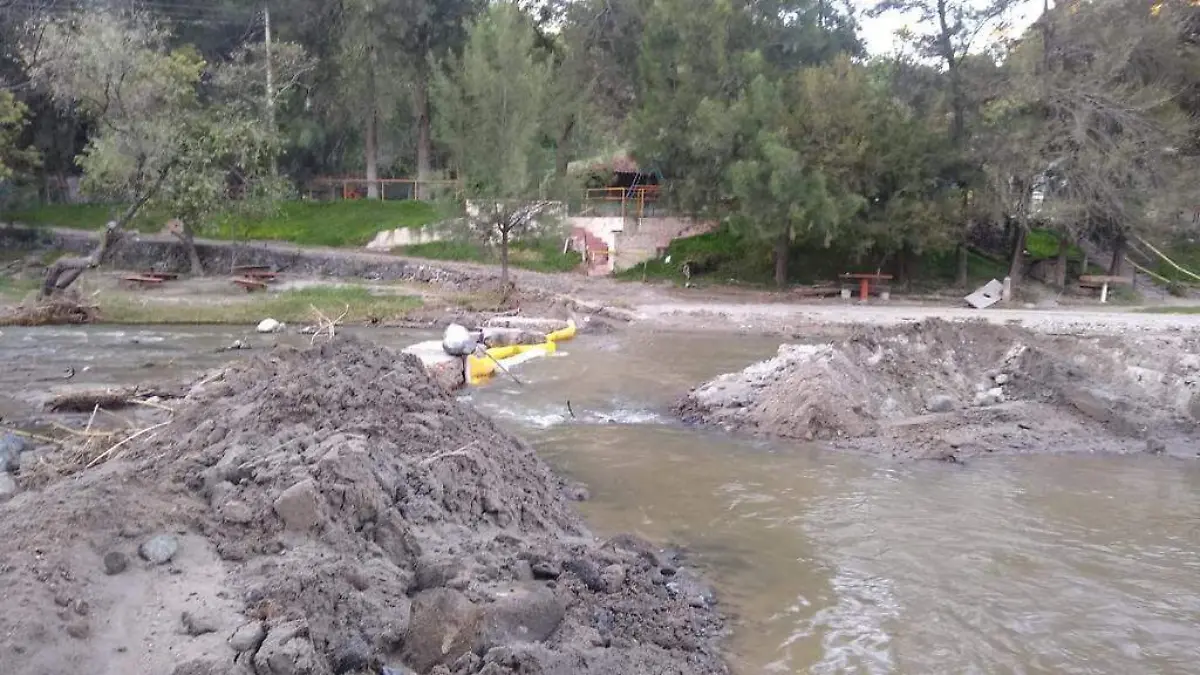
pixel 657 306
pixel 797 318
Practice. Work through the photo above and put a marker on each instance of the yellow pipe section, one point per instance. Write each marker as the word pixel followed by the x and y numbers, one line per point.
pixel 481 368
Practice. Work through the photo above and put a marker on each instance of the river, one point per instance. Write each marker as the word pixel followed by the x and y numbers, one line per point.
pixel 828 563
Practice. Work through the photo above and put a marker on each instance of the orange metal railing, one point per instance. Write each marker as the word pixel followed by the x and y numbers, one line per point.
pixel 632 201
pixel 333 188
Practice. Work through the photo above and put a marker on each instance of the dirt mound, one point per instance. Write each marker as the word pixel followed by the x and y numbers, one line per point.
pixel 950 390
pixel 332 510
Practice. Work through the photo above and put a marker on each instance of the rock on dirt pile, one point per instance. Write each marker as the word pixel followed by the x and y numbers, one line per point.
pixel 944 390
pixel 333 511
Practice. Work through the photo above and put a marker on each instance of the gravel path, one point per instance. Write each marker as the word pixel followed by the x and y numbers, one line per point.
pixel 796 317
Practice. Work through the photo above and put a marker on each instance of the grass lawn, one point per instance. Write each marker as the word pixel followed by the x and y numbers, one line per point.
pixel 293 306
pixel 15 290
pixel 342 223
pixel 544 255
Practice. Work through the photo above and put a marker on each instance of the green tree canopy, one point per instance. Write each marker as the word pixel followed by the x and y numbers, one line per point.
pixel 161 136
pixel 490 104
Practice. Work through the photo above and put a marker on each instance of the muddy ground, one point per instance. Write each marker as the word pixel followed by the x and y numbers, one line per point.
pixel 331 510
pixel 942 390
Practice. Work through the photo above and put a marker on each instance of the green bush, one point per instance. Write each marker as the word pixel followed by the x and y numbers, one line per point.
pixel 1044 244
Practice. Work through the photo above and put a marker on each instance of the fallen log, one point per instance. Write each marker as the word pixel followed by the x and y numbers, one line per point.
pixel 110 398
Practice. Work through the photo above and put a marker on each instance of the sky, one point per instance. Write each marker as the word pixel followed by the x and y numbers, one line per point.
pixel 879 34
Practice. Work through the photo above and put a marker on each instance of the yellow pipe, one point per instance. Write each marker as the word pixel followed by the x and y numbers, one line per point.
pixel 563 334
pixel 483 367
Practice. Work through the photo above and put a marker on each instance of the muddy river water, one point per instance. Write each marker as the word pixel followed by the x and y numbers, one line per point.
pixel 829 563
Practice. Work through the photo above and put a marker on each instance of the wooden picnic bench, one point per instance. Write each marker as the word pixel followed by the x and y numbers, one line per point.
pixel 142 280
pixel 260 275
pixel 165 276
pixel 865 281
pixel 820 290
pixel 1103 282
pixel 249 285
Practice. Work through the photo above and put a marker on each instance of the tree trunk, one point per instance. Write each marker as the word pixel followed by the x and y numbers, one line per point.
pixel 782 248
pixel 187 237
pixel 960 276
pixel 562 149
pixel 504 262
pixel 424 135
pixel 371 141
pixel 65 271
pixel 1060 268
pixel 1118 257
pixel 1083 264
pixel 372 157
pixel 902 265
pixel 1018 257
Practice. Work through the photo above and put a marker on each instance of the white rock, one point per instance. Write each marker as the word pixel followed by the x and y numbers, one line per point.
pixel 1001 379
pixel 269 326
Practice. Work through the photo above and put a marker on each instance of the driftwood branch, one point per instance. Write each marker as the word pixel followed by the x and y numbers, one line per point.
pixel 87 400
pixel 325 324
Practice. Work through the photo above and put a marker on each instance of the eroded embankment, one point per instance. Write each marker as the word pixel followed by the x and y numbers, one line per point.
pixel 333 511
pixel 945 390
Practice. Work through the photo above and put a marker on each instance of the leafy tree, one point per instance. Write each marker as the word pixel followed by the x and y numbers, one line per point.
pixel 689 55
pixel 1083 136
pixel 695 52
pixel 798 144
pixel 949 31
pixel 160 136
pixel 12 120
pixel 370 73
pixel 490 102
pixel 387 48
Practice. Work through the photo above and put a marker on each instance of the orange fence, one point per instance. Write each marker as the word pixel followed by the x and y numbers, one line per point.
pixel 333 189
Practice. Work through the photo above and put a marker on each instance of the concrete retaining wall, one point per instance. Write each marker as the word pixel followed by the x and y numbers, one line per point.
pixel 642 238
pixel 168 255
pixel 404 236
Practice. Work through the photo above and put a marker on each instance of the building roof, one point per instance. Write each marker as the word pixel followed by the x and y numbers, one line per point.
pixel 618 162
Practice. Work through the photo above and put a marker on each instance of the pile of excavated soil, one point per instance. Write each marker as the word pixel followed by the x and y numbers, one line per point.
pixel 944 390
pixel 334 511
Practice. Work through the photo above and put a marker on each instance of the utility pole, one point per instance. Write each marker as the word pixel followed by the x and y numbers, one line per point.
pixel 270 83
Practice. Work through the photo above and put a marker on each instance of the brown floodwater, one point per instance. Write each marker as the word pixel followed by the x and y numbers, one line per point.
pixel 828 563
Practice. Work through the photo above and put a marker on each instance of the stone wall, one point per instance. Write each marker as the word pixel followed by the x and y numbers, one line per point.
pixel 404 236
pixel 168 255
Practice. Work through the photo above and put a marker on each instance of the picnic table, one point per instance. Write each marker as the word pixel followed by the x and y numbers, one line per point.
pixel 865 280
pixel 164 276
pixel 1102 282
pixel 248 284
pixel 142 280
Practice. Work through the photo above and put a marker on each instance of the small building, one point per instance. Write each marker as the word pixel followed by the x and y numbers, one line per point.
pixel 620 219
